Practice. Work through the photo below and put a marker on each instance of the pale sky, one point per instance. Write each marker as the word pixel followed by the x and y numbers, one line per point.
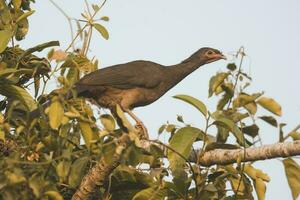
pixel 168 31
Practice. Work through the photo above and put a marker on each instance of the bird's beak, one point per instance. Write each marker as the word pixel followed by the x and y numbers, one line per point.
pixel 221 56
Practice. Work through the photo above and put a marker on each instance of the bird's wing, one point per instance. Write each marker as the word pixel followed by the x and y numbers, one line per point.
pixel 125 76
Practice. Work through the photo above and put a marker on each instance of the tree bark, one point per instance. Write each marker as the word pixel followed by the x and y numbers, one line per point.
pixel 99 173
pixel 224 157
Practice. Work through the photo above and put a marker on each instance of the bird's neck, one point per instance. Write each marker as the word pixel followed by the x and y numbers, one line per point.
pixel 180 71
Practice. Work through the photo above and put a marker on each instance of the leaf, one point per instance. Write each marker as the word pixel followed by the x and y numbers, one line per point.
pixel 270 104
pixel 17 4
pixel 215 82
pixel 194 102
pixel 244 99
pixel 95 7
pixel 58 55
pixel 56 113
pixel 24 15
pixel 180 119
pixel 295 135
pixel 232 128
pixel 161 129
pixel 108 122
pixel 39 48
pixel 251 130
pixel 182 142
pixel 102 30
pixel 270 120
pixel 54 195
pixel 254 173
pixel 5 36
pixel 88 134
pixel 15 92
pixel 151 193
pixel 231 66
pixel 223 101
pixel 251 107
pixel 62 170
pixel 260 188
pixel 292 171
pixel 77 171
pixel 105 18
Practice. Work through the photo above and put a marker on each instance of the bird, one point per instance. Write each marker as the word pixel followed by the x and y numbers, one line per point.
pixel 139 83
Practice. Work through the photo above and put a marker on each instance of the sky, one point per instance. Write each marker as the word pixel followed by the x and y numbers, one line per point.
pixel 169 31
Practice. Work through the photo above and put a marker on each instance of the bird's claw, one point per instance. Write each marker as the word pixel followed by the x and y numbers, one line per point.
pixel 141 126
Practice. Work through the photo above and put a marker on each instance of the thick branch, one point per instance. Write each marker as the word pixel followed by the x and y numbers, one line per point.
pixel 223 157
pixel 99 173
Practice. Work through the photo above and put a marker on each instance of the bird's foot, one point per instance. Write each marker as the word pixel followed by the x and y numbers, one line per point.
pixel 140 126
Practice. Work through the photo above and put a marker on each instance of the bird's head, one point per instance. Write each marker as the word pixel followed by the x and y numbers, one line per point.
pixel 208 55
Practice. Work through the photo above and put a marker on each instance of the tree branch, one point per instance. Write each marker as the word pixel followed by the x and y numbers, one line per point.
pixel 224 157
pixel 99 173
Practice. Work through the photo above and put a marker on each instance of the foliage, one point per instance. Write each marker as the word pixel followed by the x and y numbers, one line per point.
pixel 46 157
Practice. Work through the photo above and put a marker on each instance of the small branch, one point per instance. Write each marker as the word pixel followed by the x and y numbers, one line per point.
pixel 224 157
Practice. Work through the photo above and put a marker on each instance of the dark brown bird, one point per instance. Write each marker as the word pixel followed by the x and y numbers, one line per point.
pixel 139 83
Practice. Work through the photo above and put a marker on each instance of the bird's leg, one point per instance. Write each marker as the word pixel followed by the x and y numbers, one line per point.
pixel 139 123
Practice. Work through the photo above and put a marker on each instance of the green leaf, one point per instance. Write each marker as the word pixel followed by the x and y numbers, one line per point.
pixel 182 142
pixel 77 171
pixel 39 48
pixel 223 101
pixel 194 102
pixel 215 82
pixel 295 135
pixel 292 171
pixel 102 30
pixel 231 66
pixel 108 122
pixel 270 120
pixel 24 16
pixel 62 170
pixel 270 104
pixel 56 113
pixel 151 193
pixel 15 92
pixel 230 125
pixel 161 129
pixel 105 18
pixel 251 130
pixel 95 7
pixel 54 195
pixel 5 36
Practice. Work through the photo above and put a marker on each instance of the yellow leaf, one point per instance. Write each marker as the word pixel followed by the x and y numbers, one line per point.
pixel 58 55
pixel 54 195
pixel 55 113
pixel 292 171
pixel 87 133
pixel 260 188
pixel 271 105
pixel 108 122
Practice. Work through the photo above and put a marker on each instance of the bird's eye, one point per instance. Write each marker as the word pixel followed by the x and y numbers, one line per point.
pixel 210 53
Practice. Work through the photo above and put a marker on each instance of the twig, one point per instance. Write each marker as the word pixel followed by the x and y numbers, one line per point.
pixel 68 18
